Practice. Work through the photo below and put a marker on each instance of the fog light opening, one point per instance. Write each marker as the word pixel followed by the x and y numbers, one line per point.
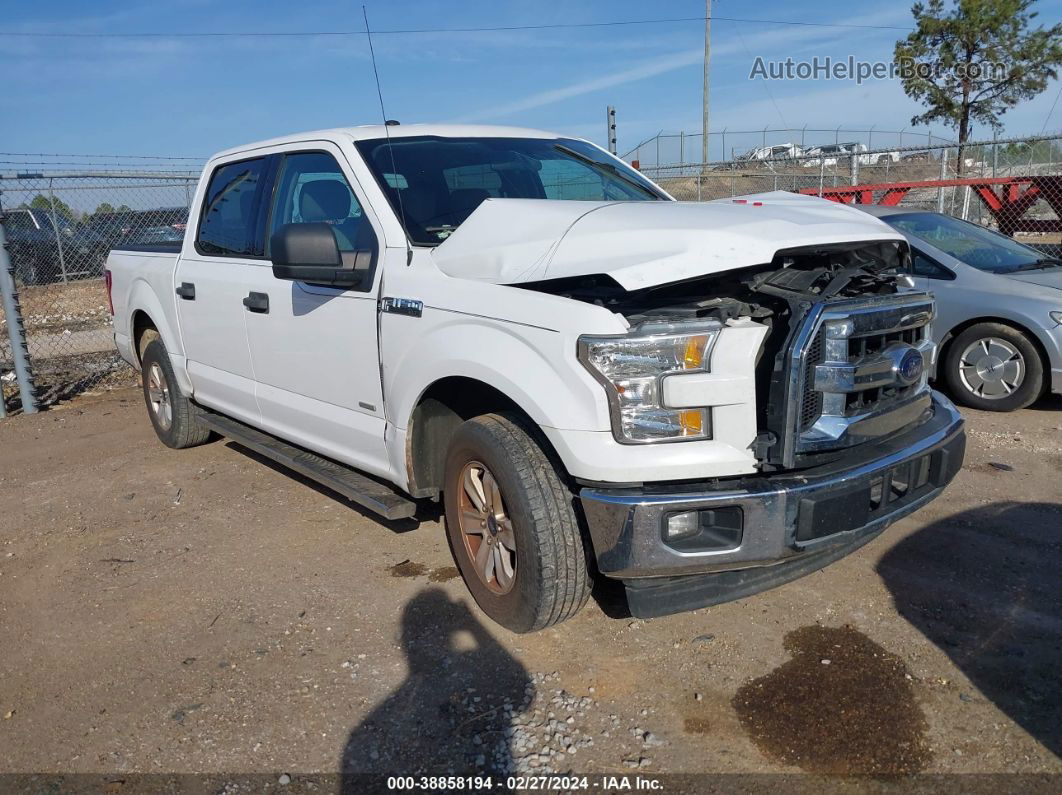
pixel 681 525
pixel 705 530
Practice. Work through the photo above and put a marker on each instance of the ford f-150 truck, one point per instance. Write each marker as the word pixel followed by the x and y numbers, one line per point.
pixel 700 401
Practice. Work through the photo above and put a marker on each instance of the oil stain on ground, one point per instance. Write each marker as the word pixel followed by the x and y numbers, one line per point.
pixel 842 705
pixel 408 568
pixel 444 574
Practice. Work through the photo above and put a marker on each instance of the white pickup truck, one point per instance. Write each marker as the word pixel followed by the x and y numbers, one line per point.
pixel 701 401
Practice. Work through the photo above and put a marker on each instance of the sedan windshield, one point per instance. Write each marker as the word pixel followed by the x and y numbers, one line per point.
pixel 969 243
pixel 435 183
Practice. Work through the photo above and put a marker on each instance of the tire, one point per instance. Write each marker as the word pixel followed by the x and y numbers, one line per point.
pixel 172 415
pixel 541 573
pixel 993 367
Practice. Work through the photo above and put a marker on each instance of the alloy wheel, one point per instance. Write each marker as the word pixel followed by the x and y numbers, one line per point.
pixel 486 528
pixel 159 396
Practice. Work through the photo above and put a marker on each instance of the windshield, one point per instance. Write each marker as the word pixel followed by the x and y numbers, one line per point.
pixel 441 181
pixel 969 243
pixel 45 219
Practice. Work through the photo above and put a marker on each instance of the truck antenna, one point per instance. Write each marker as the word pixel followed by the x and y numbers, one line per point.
pixel 387 135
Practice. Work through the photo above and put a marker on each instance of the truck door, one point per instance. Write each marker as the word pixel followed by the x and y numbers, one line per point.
pixel 211 281
pixel 314 347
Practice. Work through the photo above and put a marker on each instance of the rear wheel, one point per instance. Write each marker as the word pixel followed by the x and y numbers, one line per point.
pixel 993 367
pixel 511 524
pixel 172 414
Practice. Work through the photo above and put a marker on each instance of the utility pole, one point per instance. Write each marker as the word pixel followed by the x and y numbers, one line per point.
pixel 707 74
pixel 611 118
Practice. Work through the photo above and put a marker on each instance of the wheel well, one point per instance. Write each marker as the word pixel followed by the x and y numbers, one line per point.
pixel 949 338
pixel 440 411
pixel 144 330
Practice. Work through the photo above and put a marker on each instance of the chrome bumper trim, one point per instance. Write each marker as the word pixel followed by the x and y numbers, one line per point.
pixel 626 526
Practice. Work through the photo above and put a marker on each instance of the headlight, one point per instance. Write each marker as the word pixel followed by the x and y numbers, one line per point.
pixel 1057 317
pixel 631 368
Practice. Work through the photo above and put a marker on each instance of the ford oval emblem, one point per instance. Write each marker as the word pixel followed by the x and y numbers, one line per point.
pixel 910 367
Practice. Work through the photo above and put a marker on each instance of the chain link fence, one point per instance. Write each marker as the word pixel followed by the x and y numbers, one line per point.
pixel 59 227
pixel 667 148
pixel 1013 185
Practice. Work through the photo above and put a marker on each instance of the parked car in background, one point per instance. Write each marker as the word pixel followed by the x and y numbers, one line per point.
pixel 153 235
pixel 786 151
pixel 120 227
pixel 916 157
pixel 49 247
pixel 829 155
pixel 999 308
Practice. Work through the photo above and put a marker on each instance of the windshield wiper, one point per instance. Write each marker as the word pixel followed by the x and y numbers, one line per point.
pixel 600 166
pixel 1040 264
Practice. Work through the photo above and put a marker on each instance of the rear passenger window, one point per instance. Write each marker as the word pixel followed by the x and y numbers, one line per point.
pixel 227 226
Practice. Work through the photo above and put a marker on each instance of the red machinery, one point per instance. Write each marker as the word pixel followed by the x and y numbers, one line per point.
pixel 1015 195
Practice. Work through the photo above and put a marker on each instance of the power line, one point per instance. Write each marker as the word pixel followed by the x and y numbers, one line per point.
pixel 117 157
pixel 416 31
pixel 1051 112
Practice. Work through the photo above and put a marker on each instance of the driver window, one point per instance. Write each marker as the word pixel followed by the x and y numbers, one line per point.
pixel 311 188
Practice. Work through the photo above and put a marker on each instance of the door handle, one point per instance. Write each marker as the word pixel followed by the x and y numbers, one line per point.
pixel 257 302
pixel 186 291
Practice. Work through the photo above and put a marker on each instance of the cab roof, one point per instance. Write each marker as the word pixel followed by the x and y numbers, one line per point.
pixel 370 131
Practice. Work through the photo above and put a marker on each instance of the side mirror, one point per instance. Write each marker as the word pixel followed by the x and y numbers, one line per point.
pixel 310 253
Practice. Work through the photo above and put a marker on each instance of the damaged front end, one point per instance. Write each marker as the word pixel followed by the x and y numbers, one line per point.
pixel 847 352
pixel 849 439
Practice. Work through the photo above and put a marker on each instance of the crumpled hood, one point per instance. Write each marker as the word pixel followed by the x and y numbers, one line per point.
pixel 642 244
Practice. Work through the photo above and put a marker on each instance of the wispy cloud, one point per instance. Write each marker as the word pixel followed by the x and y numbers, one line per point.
pixel 740 45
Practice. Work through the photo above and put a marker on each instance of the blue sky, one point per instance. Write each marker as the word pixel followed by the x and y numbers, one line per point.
pixel 190 97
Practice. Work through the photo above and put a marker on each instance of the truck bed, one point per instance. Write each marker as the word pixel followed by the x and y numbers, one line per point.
pixel 142 277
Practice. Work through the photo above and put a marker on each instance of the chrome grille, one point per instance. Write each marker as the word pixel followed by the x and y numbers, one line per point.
pixel 859 371
pixel 862 349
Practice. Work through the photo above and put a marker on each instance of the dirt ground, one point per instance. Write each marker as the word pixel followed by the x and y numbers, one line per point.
pixel 203 611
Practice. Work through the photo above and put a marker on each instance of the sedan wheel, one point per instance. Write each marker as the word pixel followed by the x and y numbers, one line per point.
pixel 992 368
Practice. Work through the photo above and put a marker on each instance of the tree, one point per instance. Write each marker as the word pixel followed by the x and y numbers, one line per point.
pixel 975 61
pixel 103 208
pixel 62 209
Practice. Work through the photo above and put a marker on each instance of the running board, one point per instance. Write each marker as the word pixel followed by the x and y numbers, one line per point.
pixel 356 487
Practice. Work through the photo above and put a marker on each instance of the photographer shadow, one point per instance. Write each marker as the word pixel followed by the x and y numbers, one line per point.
pixel 984 586
pixel 453 715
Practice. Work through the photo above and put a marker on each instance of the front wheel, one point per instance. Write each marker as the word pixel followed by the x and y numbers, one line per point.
pixel 993 367
pixel 511 524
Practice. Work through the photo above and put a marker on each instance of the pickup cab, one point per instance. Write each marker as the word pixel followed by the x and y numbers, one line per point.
pixel 700 401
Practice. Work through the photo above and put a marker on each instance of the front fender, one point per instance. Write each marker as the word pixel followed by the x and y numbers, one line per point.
pixel 535 367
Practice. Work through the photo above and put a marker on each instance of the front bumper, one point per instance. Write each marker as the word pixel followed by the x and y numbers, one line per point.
pixel 791 523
